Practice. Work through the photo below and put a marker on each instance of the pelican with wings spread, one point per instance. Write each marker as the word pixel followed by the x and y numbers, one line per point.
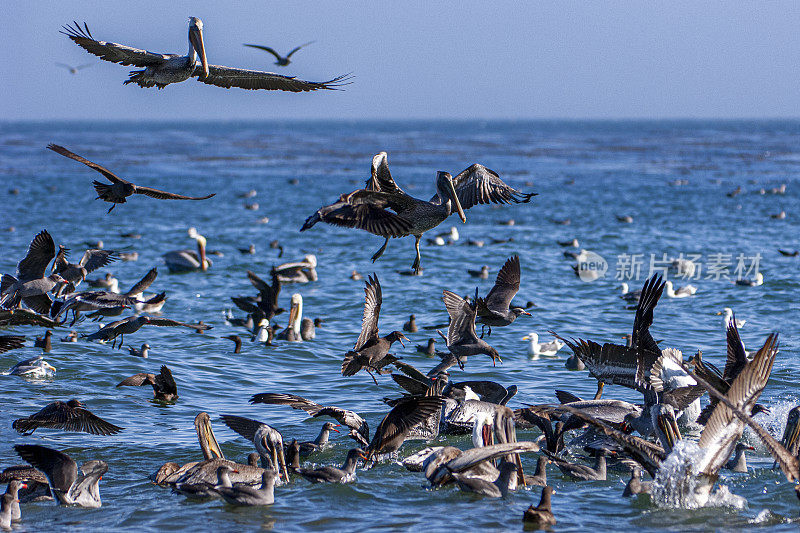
pixel 159 70
pixel 384 209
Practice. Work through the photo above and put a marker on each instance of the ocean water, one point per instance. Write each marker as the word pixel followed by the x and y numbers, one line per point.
pixel 587 172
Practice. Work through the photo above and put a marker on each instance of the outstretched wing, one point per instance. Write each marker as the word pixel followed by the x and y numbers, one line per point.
pixel 116 53
pixel 164 195
pixel 143 283
pixel 137 380
pixel 737 358
pixel 372 310
pixel 298 48
pixel 94 259
pixel 380 177
pixel 228 77
pixel 651 292
pixel 480 185
pixel 505 287
pixel 94 166
pixel 266 49
pixel 343 416
pixel 41 251
pixel 462 318
pixel 168 322
pixel 61 470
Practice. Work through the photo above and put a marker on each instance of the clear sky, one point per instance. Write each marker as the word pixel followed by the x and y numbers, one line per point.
pixel 419 59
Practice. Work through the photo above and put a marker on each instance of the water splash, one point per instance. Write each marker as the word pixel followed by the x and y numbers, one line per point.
pixel 678 483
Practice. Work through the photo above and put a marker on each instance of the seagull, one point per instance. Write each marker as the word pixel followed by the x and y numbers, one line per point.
pixel 30 286
pixel 120 189
pixel 281 60
pixel 751 283
pixel 35 367
pixel 545 348
pixel 729 317
pixel 681 292
pixel 75 273
pixel 68 485
pixel 160 70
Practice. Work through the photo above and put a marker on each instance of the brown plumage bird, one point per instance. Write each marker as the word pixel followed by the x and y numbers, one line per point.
pixel 69 416
pixel 11 342
pixel 395 426
pixel 495 309
pixel 120 189
pixel 542 514
pixel 75 273
pixel 164 387
pixel 371 352
pixel 30 286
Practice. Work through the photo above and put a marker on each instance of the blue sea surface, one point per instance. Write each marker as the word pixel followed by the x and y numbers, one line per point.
pixel 587 172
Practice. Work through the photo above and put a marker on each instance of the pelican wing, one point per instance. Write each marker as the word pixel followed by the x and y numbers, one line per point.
pixel 164 195
pixel 94 259
pixel 116 53
pixel 372 309
pixel 368 210
pixel 246 427
pixel 381 178
pixel 722 431
pixel 228 77
pixel 266 49
pixel 137 380
pixel 505 287
pixel 480 185
pixel 473 456
pixel 737 358
pixel 113 178
pixel 651 292
pixel 143 283
pixel 41 251
pixel 402 418
pixel 462 318
pixel 343 416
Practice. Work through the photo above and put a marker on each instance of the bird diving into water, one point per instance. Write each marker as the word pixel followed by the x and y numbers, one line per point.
pixel 120 189
pixel 384 209
pixel 281 61
pixel 159 70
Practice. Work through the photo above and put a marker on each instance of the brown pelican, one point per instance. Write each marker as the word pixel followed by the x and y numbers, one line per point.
pixel 542 514
pixel 162 69
pixel 371 352
pixel 248 496
pixel 69 416
pixel 267 441
pixel 31 286
pixel 331 474
pixel 281 61
pixel 120 189
pixel 164 387
pixel 35 368
pixel 369 208
pixel 188 260
pixel 301 271
pixel 292 332
pixel 343 416
pixel 67 484
pixel 461 339
pixel 495 309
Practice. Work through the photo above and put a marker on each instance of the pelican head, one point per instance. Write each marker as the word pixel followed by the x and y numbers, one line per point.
pixel 296 313
pixel 205 434
pixel 446 190
pixel 197 47
pixel 665 425
pixel 311 260
pixel 269 444
pixel 201 248
pixel 482 434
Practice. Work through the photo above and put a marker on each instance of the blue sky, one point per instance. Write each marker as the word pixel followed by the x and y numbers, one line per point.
pixel 420 59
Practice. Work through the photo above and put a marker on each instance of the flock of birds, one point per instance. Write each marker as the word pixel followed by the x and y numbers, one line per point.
pixel 614 433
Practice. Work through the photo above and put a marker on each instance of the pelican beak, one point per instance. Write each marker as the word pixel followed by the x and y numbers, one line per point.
pixel 292 315
pixel 206 434
pixel 281 459
pixel 334 428
pixel 455 200
pixel 196 38
pixel 791 433
pixel 670 429
pixel 486 435
pixel 401 340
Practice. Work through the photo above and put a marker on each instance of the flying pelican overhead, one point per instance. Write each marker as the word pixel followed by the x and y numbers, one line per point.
pixel 162 69
pixel 120 189
pixel 384 209
pixel 281 61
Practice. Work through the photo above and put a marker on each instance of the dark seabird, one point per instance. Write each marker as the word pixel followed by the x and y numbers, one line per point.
pixel 382 208
pixel 303 271
pixel 244 495
pixel 462 340
pixel 250 250
pixel 371 352
pixel 202 489
pixel 539 478
pixel 281 61
pixel 343 416
pixel 67 484
pixel 398 423
pixel 164 387
pixel 483 273
pixel 75 273
pixel 143 352
pixel 160 70
pixel 625 219
pixel 11 342
pixel 573 243
pixel 789 253
pixel 30 286
pixel 331 474
pixel 411 325
pixel 635 484
pixel 237 342
pixel 69 416
pixel 542 514
pixel 308 447
pixel 120 189
pixel 73 69
pixel 132 324
pixel 581 472
pixel 308 329
pixel 495 310
pixel 427 349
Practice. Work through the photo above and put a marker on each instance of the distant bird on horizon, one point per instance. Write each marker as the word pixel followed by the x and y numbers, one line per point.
pixel 74 70
pixel 281 60
pixel 119 190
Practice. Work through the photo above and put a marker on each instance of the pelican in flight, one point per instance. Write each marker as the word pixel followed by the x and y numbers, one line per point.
pixel 369 208
pixel 159 70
